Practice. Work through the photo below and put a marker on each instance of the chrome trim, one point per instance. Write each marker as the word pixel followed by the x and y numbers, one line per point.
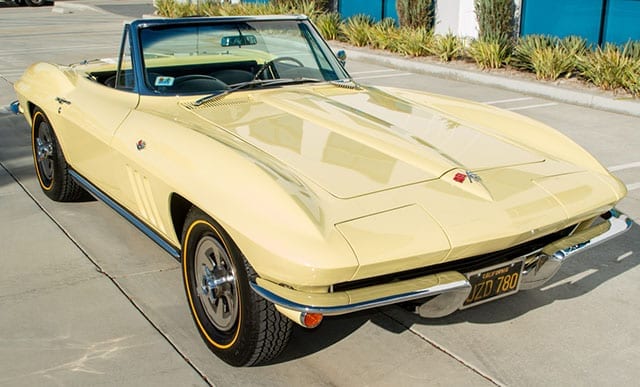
pixel 445 303
pixel 545 265
pixel 456 286
pixel 95 191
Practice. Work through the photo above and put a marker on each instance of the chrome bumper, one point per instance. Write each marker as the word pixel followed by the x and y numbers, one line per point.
pixel 448 290
pixel 544 265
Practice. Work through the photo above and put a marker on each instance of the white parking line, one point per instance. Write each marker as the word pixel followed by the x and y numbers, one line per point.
pixel 508 100
pixel 625 255
pixel 532 106
pixel 624 166
pixel 386 76
pixel 633 186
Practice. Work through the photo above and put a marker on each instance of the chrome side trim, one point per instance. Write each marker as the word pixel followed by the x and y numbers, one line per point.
pixel 458 287
pixel 96 192
pixel 546 264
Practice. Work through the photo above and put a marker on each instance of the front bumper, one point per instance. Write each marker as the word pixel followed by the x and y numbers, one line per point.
pixel 446 291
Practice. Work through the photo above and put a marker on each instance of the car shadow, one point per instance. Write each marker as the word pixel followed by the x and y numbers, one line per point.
pixel 580 275
pixel 577 277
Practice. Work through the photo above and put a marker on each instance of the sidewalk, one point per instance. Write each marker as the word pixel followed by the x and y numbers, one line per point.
pixel 62 320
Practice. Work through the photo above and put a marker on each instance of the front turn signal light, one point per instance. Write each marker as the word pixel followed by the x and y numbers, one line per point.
pixel 311 320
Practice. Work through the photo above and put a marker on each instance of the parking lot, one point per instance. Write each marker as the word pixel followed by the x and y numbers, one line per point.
pixel 86 299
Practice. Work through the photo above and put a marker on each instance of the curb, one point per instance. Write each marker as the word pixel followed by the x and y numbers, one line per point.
pixel 559 94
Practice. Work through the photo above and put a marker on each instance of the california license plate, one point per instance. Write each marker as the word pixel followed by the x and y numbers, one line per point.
pixel 494 282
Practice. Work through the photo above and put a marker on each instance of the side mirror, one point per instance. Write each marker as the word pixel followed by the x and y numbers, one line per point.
pixel 342 57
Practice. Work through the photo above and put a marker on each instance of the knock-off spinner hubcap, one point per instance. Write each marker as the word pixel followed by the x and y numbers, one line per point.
pixel 217 289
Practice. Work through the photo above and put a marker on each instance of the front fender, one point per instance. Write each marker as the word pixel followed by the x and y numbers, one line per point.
pixel 278 221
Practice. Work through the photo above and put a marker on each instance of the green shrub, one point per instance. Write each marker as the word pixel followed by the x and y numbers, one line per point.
pixel 356 29
pixel 447 47
pixel 328 25
pixel 574 45
pixel 610 69
pixel 489 53
pixel 415 13
pixel 171 8
pixel 414 41
pixel 631 49
pixel 384 34
pixel 524 48
pixel 319 6
pixel 551 62
pixel 495 19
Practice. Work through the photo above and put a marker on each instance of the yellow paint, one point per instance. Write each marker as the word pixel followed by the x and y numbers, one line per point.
pixel 318 184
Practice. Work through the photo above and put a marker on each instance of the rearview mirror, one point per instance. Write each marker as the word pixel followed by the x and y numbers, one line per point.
pixel 238 40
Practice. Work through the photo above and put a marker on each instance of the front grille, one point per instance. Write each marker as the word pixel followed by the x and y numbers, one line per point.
pixel 464 265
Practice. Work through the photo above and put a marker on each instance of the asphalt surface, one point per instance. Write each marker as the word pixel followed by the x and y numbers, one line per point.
pixel 85 299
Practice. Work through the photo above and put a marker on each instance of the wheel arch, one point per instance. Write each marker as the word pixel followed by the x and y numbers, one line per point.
pixel 179 207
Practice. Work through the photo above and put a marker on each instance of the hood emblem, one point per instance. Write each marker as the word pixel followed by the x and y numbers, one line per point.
pixel 461 177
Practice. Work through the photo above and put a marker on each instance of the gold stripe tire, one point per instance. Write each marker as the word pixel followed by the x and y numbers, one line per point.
pixel 51 167
pixel 240 327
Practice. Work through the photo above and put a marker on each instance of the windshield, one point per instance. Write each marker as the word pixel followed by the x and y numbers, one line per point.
pixel 209 58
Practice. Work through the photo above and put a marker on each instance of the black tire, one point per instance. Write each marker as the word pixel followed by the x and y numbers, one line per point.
pixel 51 167
pixel 240 327
pixel 35 3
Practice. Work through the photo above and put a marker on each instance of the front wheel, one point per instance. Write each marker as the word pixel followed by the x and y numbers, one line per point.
pixel 240 327
pixel 51 167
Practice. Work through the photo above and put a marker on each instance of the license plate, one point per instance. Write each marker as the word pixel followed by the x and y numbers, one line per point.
pixel 494 282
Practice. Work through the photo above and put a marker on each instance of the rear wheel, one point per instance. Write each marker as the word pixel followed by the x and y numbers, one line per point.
pixel 51 167
pixel 35 3
pixel 237 325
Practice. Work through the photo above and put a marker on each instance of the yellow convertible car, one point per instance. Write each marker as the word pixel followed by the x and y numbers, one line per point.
pixel 289 192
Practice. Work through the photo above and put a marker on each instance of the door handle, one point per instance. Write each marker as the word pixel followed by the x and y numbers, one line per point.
pixel 62 101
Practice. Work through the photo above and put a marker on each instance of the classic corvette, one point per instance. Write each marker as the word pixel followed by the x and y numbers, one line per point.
pixel 289 192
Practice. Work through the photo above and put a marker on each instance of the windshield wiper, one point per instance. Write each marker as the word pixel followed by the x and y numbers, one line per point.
pixel 253 83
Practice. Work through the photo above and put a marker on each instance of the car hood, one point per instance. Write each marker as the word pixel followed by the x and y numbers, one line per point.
pixel 354 142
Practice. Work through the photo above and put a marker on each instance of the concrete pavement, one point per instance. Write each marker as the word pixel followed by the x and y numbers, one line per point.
pixel 85 299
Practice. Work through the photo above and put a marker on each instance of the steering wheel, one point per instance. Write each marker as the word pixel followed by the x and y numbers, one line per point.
pixel 197 83
pixel 272 62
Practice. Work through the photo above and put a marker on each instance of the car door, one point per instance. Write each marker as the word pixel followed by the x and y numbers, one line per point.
pixel 90 114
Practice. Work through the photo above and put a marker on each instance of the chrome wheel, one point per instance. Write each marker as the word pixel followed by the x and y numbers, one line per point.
pixel 44 153
pixel 217 288
pixel 237 324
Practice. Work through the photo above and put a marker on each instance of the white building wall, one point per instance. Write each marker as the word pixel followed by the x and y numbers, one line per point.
pixel 459 17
